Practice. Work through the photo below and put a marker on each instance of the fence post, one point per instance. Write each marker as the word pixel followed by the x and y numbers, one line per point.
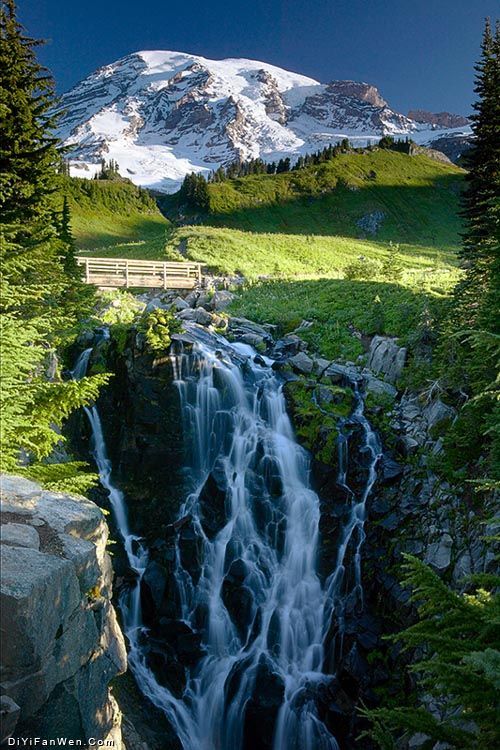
pixel 199 273
pixel 87 273
pixel 164 275
pixel 126 273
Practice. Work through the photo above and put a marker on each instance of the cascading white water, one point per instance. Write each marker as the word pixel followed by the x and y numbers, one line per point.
pixel 236 426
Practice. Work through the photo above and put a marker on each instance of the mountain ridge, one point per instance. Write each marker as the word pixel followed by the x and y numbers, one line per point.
pixel 162 114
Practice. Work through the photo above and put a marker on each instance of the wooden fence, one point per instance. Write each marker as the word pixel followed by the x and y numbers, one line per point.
pixel 113 272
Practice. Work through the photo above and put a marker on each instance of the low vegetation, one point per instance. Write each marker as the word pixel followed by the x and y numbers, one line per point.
pixel 115 219
pixel 417 197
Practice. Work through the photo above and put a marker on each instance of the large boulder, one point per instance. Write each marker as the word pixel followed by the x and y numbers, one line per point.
pixel 438 554
pixel 386 358
pixel 61 642
pixel 222 299
pixel 302 363
pixel 438 416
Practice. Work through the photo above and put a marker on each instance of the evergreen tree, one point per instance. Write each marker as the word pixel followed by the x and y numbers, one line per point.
pixel 392 266
pixel 194 192
pixel 27 148
pixel 477 296
pixel 457 637
pixel 471 347
pixel 66 235
pixel 39 300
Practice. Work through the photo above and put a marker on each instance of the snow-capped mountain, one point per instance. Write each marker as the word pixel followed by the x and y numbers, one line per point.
pixel 162 114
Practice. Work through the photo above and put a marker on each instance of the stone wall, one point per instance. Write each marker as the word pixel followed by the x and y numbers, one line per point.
pixel 61 644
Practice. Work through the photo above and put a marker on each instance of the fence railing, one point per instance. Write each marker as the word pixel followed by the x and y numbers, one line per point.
pixel 114 272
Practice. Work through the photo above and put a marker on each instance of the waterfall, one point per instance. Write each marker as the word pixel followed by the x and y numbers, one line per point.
pixel 257 598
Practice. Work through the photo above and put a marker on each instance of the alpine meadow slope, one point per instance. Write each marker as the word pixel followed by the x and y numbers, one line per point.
pixel 300 241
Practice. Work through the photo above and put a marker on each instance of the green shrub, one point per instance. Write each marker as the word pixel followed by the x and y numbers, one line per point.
pixel 158 326
pixel 118 307
pixel 362 269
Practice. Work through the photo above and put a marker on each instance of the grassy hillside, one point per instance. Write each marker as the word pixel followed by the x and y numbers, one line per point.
pixel 417 195
pixel 295 237
pixel 115 219
pixel 253 254
pixel 296 277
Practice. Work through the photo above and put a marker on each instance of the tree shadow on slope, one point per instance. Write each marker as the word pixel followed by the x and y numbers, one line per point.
pixel 424 214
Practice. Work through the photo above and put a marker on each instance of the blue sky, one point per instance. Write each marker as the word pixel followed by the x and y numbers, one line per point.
pixel 419 54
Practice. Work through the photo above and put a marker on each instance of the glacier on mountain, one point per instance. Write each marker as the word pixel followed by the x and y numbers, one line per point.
pixel 163 114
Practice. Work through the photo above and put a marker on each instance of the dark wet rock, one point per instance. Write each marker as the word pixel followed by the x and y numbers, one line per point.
pixel 159 595
pixel 337 710
pixel 288 346
pixel 142 424
pixel 366 630
pixel 239 602
pixel 188 647
pixel 153 586
pixel 334 514
pixel 390 470
pixel 406 445
pixel 168 671
pixel 237 571
pixel 354 671
pixel 234 678
pixel 390 522
pixel 380 505
pixel 212 501
pixel 271 476
pixel 191 550
pixel 185 642
pixel 263 707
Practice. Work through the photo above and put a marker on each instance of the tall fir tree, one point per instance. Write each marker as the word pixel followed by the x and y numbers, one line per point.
pixel 66 236
pixel 40 298
pixel 476 296
pixel 472 341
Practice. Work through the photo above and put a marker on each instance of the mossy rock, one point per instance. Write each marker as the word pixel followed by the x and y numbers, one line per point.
pixel 315 410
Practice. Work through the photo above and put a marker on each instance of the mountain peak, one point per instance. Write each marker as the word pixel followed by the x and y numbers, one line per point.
pixel 162 114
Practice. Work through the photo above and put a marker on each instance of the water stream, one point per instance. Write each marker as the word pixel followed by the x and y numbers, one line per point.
pixel 264 611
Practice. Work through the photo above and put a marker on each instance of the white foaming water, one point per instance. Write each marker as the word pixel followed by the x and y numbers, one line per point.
pixel 236 427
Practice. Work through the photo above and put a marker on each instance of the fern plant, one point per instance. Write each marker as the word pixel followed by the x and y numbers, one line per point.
pixel 458 637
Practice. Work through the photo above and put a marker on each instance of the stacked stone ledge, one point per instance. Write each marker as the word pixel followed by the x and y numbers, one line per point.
pixel 61 644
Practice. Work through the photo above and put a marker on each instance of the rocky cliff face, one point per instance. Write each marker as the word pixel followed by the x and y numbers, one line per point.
pixel 143 426
pixel 61 642
pixel 439 119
